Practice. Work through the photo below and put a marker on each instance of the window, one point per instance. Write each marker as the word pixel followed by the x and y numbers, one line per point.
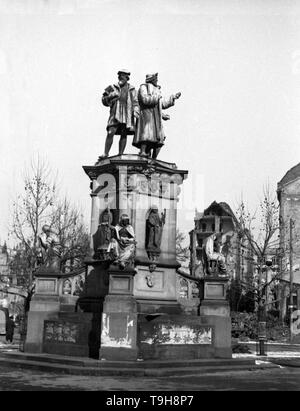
pixel 200 242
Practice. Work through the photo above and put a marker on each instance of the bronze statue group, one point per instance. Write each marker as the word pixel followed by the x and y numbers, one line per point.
pixel 138 113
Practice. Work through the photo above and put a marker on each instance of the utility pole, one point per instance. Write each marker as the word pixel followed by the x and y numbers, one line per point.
pixel 291 306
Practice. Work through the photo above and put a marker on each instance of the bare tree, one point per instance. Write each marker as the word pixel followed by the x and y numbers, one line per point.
pixel 261 239
pixel 37 205
pixel 73 235
pixel 33 208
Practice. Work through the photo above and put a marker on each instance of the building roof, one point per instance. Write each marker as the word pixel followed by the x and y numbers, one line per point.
pixel 227 209
pixel 291 175
pixel 223 209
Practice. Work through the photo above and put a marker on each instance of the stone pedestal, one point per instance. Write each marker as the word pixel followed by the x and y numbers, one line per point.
pixel 96 286
pixel 156 291
pixel 215 308
pixel 213 296
pixel 119 318
pixel 132 184
pixel 44 304
pixel 141 315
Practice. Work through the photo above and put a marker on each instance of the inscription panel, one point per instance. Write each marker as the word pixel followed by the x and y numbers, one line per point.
pixel 175 334
pixel 120 284
pixel 46 286
pixel 61 332
pixel 214 291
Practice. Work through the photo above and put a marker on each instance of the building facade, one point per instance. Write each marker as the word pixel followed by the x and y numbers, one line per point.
pixel 219 218
pixel 288 193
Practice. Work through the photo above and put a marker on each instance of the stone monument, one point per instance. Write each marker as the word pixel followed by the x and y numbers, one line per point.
pixel 141 315
pixel 130 295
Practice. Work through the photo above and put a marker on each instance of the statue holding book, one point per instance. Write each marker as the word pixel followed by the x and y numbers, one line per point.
pixel 124 110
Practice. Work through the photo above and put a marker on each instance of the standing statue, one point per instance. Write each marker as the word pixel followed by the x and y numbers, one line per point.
pixel 154 229
pixel 122 246
pixel 103 236
pixel 149 133
pixel 67 287
pixel 214 260
pixel 124 109
pixel 50 248
pixel 79 286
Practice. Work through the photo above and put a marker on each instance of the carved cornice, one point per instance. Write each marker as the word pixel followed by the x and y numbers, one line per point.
pixel 134 165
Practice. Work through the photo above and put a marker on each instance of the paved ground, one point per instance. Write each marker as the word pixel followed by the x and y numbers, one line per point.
pixel 281 378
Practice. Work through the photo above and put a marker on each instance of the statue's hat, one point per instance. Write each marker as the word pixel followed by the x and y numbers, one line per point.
pixel 124 72
pixel 154 207
pixel 150 77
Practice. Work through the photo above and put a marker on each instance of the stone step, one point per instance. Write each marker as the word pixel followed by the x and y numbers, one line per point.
pixel 108 369
pixel 88 362
pixel 273 346
pixel 49 358
pixel 204 370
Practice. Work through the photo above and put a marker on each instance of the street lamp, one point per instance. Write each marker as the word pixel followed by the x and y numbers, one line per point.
pixel 262 312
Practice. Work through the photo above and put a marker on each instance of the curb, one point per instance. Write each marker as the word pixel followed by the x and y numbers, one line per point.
pixel 286 362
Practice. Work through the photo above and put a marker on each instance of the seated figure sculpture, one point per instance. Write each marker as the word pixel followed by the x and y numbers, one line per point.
pixel 122 245
pixel 213 259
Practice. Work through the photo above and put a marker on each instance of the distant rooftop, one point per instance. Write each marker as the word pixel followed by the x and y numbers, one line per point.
pixel 222 209
pixel 291 175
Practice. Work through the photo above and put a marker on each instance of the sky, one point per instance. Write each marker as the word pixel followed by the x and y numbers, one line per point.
pixel 236 63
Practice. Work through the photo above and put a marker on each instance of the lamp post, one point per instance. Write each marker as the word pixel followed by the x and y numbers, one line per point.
pixel 262 334
pixel 262 310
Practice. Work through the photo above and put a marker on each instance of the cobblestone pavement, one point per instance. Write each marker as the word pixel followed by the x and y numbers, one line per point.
pixel 281 378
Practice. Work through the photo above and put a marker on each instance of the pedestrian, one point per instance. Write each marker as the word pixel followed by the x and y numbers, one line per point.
pixel 10 327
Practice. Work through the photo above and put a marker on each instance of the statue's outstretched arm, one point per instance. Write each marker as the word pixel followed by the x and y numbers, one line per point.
pixel 167 102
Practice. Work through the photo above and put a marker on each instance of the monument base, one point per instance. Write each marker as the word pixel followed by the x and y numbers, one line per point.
pixel 167 337
pixel 119 318
pixel 75 334
pixel 44 304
